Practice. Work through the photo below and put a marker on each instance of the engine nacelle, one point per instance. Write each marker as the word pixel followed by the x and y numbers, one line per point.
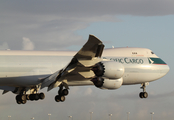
pixel 108 83
pixel 109 69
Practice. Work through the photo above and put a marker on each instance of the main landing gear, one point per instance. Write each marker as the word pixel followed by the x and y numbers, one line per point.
pixel 143 94
pixel 22 98
pixel 61 94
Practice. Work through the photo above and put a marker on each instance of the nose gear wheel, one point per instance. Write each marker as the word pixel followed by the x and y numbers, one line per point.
pixel 143 95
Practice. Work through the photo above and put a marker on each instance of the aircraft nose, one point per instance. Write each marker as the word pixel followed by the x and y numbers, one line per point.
pixel 165 69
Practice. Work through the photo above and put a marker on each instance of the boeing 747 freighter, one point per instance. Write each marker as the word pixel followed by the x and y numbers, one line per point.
pixel 25 73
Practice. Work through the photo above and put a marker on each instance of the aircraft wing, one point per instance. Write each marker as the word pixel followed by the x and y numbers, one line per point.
pixel 79 67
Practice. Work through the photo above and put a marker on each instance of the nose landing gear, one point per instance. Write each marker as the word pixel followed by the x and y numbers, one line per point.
pixel 143 94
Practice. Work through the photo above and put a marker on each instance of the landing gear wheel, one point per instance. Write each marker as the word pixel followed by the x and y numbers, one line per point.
pixel 36 97
pixel 57 98
pixel 41 96
pixel 141 95
pixel 23 102
pixel 20 97
pixel 145 94
pixel 62 98
pixel 18 101
pixel 65 92
pixel 62 93
pixel 31 97
pixel 23 97
pixel 27 97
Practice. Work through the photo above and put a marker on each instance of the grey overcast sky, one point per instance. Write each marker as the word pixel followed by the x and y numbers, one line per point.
pixel 66 25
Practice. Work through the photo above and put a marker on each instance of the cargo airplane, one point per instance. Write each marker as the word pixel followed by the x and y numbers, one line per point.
pixel 25 73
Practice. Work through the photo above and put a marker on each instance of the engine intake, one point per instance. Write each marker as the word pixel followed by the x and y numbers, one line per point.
pixel 109 69
pixel 107 83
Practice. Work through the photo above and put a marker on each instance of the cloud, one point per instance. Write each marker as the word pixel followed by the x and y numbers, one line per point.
pixel 92 8
pixel 50 24
pixel 4 46
pixel 27 44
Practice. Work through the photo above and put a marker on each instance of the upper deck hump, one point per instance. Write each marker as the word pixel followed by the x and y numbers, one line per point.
pixel 129 52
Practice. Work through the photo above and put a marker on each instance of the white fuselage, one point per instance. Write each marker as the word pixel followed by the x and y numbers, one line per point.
pixel 26 68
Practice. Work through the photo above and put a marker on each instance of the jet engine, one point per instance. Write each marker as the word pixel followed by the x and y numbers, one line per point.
pixel 107 83
pixel 109 69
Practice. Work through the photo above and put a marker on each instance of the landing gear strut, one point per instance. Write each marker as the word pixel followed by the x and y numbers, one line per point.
pixel 143 94
pixel 61 94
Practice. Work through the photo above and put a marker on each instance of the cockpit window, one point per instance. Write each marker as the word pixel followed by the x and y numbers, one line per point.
pixel 152 52
pixel 156 61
